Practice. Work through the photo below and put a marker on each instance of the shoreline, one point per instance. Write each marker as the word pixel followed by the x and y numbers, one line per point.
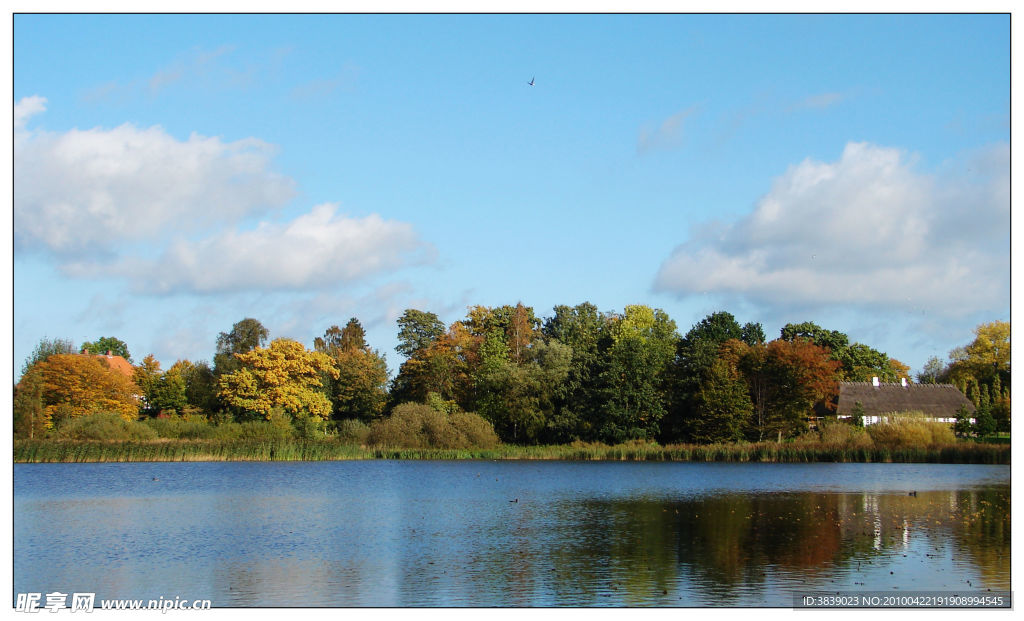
pixel 27 451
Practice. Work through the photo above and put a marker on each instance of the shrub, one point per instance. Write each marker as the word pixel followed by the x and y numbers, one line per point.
pixel 440 404
pixel 308 427
pixel 278 428
pixel 580 444
pixel 352 431
pixel 845 435
pixel 103 427
pixel 193 414
pixel 163 427
pixel 942 433
pixel 175 427
pixel 477 431
pixel 227 431
pixel 258 430
pixel 416 425
pixel 910 430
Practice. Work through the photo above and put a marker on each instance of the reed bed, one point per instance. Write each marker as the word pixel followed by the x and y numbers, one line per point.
pixel 26 451
pixel 195 450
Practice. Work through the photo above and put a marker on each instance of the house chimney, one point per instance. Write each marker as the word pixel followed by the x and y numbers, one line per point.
pixel 874 382
pixel 903 381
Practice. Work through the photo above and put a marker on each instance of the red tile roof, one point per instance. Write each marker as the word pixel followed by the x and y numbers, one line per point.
pixel 116 363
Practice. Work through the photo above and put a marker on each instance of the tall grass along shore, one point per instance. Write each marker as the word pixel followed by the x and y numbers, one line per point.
pixel 27 451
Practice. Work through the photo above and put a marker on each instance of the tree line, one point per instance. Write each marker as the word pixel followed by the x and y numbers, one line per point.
pixel 577 375
pixel 981 370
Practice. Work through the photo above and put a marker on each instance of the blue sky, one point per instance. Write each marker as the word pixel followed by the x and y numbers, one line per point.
pixel 175 174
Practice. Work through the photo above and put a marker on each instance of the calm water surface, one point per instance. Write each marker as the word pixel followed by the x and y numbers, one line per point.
pixel 416 533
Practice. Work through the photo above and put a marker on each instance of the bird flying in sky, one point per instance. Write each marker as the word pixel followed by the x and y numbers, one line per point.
pixel 531 81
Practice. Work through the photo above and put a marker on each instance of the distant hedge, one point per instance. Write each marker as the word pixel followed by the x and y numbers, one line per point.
pixel 103 426
pixel 415 425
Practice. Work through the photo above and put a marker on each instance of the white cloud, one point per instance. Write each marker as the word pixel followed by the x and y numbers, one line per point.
pixel 867 230
pixel 197 63
pixel 668 135
pixel 85 191
pixel 91 197
pixel 194 68
pixel 820 101
pixel 317 250
pixel 345 79
pixel 26 108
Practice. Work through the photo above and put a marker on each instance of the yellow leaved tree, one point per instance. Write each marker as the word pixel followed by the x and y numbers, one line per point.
pixel 991 346
pixel 74 385
pixel 284 375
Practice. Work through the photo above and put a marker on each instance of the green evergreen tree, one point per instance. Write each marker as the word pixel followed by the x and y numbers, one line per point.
pixel 972 392
pixel 984 423
pixel 962 427
pixel 858 414
pixel 417 330
pixel 723 406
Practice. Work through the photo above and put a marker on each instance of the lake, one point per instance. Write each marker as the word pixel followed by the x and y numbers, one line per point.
pixel 510 533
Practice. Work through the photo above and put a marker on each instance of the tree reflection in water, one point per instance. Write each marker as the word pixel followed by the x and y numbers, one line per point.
pixel 741 549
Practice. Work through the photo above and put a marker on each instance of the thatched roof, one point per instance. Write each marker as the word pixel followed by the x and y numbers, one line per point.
pixel 938 400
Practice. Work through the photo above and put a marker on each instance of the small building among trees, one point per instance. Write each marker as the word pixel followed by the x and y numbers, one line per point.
pixel 114 361
pixel 874 400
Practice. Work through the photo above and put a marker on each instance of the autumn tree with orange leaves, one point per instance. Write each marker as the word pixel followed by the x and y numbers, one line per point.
pixel 785 379
pixel 72 385
pixel 443 366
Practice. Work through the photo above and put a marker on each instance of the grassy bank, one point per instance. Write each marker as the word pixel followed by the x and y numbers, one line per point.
pixel 26 451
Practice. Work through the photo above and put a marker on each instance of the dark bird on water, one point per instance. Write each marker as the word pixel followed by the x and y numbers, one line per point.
pixel 516 500
pixel 532 80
